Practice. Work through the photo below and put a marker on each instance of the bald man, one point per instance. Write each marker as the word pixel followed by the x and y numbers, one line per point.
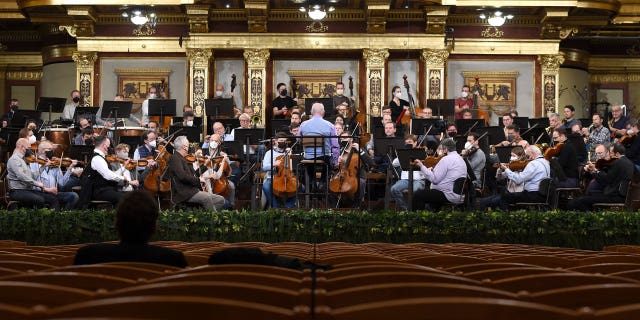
pixel 23 184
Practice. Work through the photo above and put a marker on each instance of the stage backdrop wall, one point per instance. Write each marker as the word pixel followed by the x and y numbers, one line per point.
pixel 525 84
pixel 177 77
pixel 398 68
pixel 280 68
pixel 569 94
pixel 58 79
pixel 224 68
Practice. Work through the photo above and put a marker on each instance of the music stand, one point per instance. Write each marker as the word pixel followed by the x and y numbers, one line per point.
pixel 88 113
pixel 162 107
pixel 406 158
pixel 48 104
pixel 460 142
pixel 495 134
pixel 79 151
pixel 248 137
pixel 21 116
pixel 192 133
pixel 280 125
pixel 542 122
pixel 234 148
pixel 219 107
pixel 326 102
pixel 197 121
pixel 533 134
pixel 119 109
pixel 383 146
pixel 465 126
pixel 420 126
pixel 504 153
pixel 445 107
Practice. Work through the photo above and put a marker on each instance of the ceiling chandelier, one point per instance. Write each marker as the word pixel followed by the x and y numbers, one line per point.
pixel 496 18
pixel 317 11
pixel 140 16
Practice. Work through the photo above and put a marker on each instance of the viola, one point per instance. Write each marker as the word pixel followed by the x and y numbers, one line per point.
pixel 285 183
pixel 627 139
pixel 345 182
pixel 518 165
pixel 431 161
pixel 553 151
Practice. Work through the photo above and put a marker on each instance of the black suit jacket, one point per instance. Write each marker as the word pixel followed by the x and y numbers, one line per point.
pixel 129 252
pixel 616 180
pixel 184 183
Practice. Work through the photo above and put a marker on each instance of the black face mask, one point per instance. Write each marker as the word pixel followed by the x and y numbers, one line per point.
pixel 14 107
pixel 48 154
pixel 344 144
pixel 283 92
pixel 452 134
pixel 408 146
pixel 76 99
pixel 282 145
pixel 511 138
pixel 28 153
pixel 88 142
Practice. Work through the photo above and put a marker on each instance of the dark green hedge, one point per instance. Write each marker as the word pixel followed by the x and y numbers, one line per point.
pixel 591 230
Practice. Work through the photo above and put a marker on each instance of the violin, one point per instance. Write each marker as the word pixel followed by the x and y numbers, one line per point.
pixel 553 151
pixel 345 182
pixel 132 164
pixel 518 165
pixel 33 158
pixel 627 139
pixel 431 161
pixel 605 163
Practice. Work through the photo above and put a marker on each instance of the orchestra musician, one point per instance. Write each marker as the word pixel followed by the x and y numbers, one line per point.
pixel 403 184
pixel 593 187
pixel 476 157
pixel 426 113
pixel 103 182
pixel 185 185
pixel 396 104
pixel 328 149
pixel 269 164
pixel 85 138
pixel 597 133
pixel 534 172
pixel 83 127
pixel 451 131
pixel 282 104
pixel 633 149
pixel 348 146
pixel 23 184
pixel 295 117
pixel 153 126
pixel 569 117
pixel 382 162
pixel 493 201
pixel 507 120
pixel 70 109
pixel 464 102
pixel 122 152
pixel 215 150
pixel 187 119
pixel 565 165
pixel 554 122
pixel 466 114
pixel 14 105
pixel 109 122
pixel 618 125
pixel 148 149
pixel 615 181
pixel 339 98
pixel 52 176
pixel 342 109
pixel 152 94
pixel 513 137
pixel 442 178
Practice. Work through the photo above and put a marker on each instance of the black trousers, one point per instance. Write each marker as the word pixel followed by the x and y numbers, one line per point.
pixel 585 203
pixel 524 196
pixel 434 199
pixel 107 194
pixel 35 198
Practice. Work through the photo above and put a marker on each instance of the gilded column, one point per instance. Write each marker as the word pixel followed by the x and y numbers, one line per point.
pixel 550 64
pixel 375 60
pixel 257 74
pixel 435 61
pixel 85 73
pixel 199 60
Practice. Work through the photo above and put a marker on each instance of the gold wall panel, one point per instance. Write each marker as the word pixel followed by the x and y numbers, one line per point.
pixel 22 59
pixel 506 46
pixel 35 3
pixel 614 63
pixel 130 44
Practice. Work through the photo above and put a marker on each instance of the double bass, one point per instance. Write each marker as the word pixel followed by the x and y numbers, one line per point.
pixel 285 183
pixel 475 90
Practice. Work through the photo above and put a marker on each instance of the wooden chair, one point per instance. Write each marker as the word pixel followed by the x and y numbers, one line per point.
pixel 447 308
pixel 503 273
pixel 626 312
pixel 272 296
pixel 631 200
pixel 341 259
pixel 8 311
pixel 548 281
pixel 360 269
pixel 163 268
pixel 171 307
pixel 629 274
pixel 391 277
pixel 539 260
pixel 595 296
pixel 444 260
pixel 291 273
pixel 236 276
pixel 613 258
pixel 606 268
pixel 196 260
pixel 24 265
pixel 405 290
pixel 86 281
pixel 121 271
pixel 474 267
pixel 11 244
pixel 30 294
pixel 24 258
pixel 545 184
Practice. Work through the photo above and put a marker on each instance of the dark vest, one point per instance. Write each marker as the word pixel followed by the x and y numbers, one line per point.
pixel 98 182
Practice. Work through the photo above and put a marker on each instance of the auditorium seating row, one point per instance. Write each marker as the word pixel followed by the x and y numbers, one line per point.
pixel 365 281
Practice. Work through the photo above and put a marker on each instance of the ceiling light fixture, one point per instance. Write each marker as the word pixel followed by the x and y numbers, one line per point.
pixel 497 18
pixel 317 11
pixel 140 16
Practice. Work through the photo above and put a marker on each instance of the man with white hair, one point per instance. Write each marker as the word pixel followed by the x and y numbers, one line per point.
pixel 326 149
pixel 534 172
pixel 185 185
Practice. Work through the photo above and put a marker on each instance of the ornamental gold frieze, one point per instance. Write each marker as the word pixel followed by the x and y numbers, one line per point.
pixel 199 58
pixel 84 60
pixel 375 58
pixel 611 64
pixel 614 77
pixel 32 59
pixel 550 63
pixel 21 36
pixel 163 19
pixel 477 46
pixel 58 52
pixel 24 75
pixel 256 58
pixel 23 4
pixel 141 72
pixel 435 58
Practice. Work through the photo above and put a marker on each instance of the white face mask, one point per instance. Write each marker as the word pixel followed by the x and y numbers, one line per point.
pixel 468 145
pixel 398 94
pixel 152 95
pixel 464 94
pixel 219 93
pixel 339 92
pixel 440 152
pixel 514 158
pixel 190 123
pixel 629 131
pixel 152 144
pixel 123 155
pixel 32 139
pixel 214 145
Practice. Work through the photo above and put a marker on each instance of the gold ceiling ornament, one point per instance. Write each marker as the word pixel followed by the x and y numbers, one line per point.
pixel 317 26
pixel 71 30
pixel 492 32
pixel 567 32
pixel 144 30
pixel 435 58
pixel 551 63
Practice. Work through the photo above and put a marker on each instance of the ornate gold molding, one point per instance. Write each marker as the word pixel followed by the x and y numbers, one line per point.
pixel 57 52
pixel 71 30
pixel 85 60
pixel 576 55
pixel 551 63
pixel 375 58
pixel 199 57
pixel 22 36
pixel 256 58
pixel 140 72
pixel 199 62
pixel 614 77
pixel 257 12
pixel 144 30
pixel 477 46
pixel 315 73
pixel 198 18
pixel 377 15
pixel 256 85
pixel 485 74
pixel 24 75
pixel 436 17
pixel 435 58
pixel 492 32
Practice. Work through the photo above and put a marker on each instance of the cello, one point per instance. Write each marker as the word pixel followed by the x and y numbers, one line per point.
pixel 153 182
pixel 221 185
pixel 345 182
pixel 285 183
